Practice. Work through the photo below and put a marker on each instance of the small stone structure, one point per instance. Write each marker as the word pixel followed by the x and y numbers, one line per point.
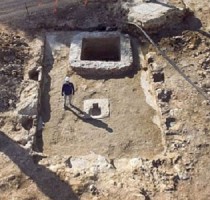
pixel 100 53
pixel 96 108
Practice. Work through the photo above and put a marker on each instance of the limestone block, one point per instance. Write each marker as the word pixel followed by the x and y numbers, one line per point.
pixel 29 99
pixel 96 108
pixel 153 16
pixel 28 106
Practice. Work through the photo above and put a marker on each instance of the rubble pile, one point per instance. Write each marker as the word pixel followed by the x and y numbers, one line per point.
pixel 14 53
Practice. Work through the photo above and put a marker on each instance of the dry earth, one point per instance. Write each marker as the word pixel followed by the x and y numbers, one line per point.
pixel 125 156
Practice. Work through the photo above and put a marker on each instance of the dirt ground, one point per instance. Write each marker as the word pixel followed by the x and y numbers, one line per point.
pixel 68 132
pixel 141 160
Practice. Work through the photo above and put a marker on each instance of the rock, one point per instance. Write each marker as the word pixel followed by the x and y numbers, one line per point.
pixel 206 84
pixel 121 164
pixel 202 73
pixel 195 43
pixel 186 160
pixel 156 68
pixel 153 16
pixel 103 164
pixel 21 137
pixel 135 163
pixel 162 187
pixel 77 186
pixel 120 185
pixel 182 173
pixel 55 168
pixel 176 127
pixel 29 106
pixel 175 112
pixel 170 186
pixel 10 182
pixel 93 189
pixel 29 99
pixel 29 145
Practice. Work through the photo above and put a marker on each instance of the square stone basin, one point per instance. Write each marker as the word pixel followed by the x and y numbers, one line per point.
pixel 100 53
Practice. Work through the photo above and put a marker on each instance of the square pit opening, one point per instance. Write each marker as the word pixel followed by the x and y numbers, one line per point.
pixel 100 53
pixel 101 49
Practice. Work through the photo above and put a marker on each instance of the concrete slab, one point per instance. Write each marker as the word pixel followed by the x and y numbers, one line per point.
pixel 148 11
pixel 100 53
pixel 153 16
pixel 96 108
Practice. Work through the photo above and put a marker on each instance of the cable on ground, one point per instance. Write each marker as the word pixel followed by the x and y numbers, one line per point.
pixel 172 63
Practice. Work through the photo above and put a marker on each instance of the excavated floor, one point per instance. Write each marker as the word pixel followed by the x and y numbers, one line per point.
pixel 127 132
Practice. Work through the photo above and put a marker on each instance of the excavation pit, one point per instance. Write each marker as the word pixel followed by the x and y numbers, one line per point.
pixel 101 49
pixel 109 117
pixel 100 53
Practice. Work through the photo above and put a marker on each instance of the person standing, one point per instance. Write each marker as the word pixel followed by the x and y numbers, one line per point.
pixel 67 91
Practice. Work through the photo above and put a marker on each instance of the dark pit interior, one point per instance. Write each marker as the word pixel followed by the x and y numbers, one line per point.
pixel 101 49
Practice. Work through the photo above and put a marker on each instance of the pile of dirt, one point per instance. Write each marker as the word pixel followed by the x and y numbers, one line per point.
pixel 190 51
pixel 14 53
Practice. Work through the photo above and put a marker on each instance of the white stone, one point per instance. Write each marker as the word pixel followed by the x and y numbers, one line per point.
pixel 21 137
pixel 28 106
pixel 103 104
pixel 135 162
pixel 29 99
pixel 80 163
pixel 175 112
pixel 153 16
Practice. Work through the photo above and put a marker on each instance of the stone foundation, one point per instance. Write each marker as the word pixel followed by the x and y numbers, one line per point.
pixel 100 53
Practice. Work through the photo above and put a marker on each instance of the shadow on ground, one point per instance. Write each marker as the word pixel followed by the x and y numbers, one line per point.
pixel 46 84
pixel 48 182
pixel 85 118
pixel 189 23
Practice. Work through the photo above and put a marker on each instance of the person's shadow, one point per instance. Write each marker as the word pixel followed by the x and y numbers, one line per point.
pixel 47 181
pixel 87 119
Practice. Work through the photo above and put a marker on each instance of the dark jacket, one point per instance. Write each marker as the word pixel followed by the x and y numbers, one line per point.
pixel 68 88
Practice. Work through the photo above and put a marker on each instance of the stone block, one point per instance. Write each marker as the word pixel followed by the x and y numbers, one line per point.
pixel 96 108
pixel 154 16
pixel 93 53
